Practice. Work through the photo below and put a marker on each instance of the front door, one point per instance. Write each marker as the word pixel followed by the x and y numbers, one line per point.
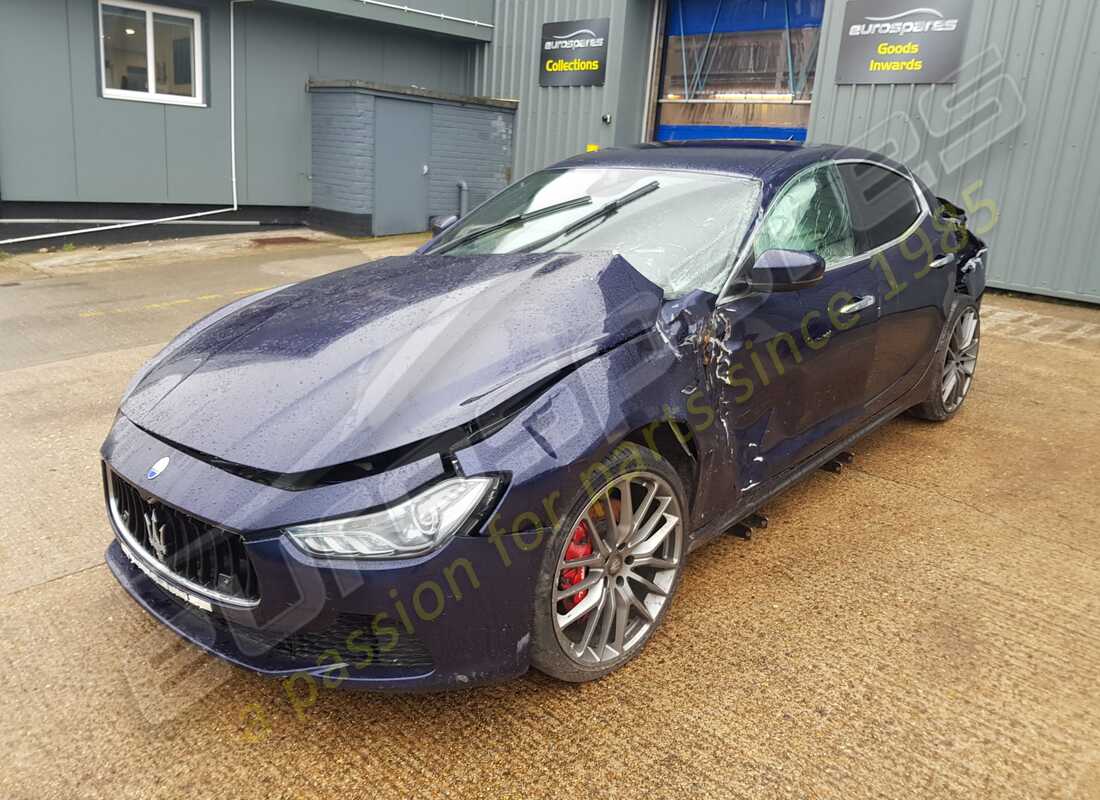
pixel 839 321
pixel 792 367
pixel 760 382
pixel 402 150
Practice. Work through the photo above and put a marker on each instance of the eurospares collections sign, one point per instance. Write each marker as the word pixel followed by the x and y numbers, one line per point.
pixel 574 53
pixel 895 41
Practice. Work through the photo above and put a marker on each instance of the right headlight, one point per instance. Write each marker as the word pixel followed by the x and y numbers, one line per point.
pixel 412 527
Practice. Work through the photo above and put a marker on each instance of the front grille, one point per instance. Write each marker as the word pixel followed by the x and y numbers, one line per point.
pixel 354 631
pixel 204 555
pixel 349 638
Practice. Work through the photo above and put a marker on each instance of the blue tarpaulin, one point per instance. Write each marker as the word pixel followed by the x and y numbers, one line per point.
pixel 741 15
pixel 680 133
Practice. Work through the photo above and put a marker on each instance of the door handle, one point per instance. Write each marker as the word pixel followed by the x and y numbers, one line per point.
pixel 943 261
pixel 858 304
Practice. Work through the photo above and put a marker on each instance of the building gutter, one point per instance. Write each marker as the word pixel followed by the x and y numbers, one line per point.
pixel 444 17
pixel 178 217
pixel 407 16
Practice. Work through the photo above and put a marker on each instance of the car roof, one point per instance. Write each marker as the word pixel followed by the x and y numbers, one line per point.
pixel 771 162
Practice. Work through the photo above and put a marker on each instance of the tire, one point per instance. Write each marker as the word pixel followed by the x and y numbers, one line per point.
pixel 616 564
pixel 957 361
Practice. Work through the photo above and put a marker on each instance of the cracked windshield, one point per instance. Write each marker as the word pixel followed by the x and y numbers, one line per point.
pixel 679 229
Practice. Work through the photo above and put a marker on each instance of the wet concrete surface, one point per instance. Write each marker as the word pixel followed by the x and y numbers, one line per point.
pixel 924 624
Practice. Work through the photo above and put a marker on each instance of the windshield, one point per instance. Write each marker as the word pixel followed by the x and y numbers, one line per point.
pixel 679 229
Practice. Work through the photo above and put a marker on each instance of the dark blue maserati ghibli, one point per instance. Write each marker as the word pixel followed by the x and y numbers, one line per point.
pixel 440 469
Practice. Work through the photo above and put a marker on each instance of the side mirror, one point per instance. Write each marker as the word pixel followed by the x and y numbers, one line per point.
pixel 786 271
pixel 441 224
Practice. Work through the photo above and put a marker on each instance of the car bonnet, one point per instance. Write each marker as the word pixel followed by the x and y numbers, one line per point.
pixel 381 356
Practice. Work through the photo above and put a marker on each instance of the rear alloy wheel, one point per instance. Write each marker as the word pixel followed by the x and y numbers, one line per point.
pixel 962 358
pixel 957 371
pixel 612 576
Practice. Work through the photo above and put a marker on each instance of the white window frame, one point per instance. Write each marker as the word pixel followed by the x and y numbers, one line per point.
pixel 151 95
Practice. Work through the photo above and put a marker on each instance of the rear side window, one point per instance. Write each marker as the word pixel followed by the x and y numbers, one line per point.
pixel 883 204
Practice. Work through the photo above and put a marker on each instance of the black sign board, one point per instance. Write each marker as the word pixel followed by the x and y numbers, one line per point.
pixel 902 41
pixel 573 53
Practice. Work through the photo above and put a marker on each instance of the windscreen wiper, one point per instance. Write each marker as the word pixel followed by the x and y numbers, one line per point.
pixel 515 219
pixel 606 210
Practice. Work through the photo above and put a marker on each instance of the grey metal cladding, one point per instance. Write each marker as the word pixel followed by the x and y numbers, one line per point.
pixel 553 123
pixel 60 141
pixel 1015 138
pixel 37 147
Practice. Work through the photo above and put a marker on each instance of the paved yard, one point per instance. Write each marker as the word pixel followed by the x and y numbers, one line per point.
pixel 925 624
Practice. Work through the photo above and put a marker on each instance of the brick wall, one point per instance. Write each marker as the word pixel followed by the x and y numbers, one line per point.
pixel 343 151
pixel 471 144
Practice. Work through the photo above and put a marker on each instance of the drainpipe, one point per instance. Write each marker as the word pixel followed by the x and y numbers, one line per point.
pixel 232 160
pixel 463 198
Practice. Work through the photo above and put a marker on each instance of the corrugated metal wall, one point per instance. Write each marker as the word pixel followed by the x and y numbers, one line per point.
pixel 555 122
pixel 1015 138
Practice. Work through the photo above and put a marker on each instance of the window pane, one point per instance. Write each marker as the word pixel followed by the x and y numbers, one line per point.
pixel 124 57
pixel 742 68
pixel 809 215
pixel 735 65
pixel 884 205
pixel 736 114
pixel 174 54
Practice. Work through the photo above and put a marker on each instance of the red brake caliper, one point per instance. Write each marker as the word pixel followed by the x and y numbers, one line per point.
pixel 580 546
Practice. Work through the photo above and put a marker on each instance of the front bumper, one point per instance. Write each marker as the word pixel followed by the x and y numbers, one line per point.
pixel 454 618
pixel 480 637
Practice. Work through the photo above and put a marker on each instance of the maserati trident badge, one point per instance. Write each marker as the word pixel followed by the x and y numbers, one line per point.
pixel 157 468
pixel 156 533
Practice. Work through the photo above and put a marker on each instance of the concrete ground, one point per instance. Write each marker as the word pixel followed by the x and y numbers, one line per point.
pixel 925 624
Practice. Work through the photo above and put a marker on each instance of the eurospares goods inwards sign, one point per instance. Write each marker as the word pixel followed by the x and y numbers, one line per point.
pixel 895 41
pixel 573 53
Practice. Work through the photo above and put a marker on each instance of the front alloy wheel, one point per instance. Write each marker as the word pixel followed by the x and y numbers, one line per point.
pixel 617 568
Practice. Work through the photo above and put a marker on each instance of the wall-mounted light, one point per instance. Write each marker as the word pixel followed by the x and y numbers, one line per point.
pixel 130 31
